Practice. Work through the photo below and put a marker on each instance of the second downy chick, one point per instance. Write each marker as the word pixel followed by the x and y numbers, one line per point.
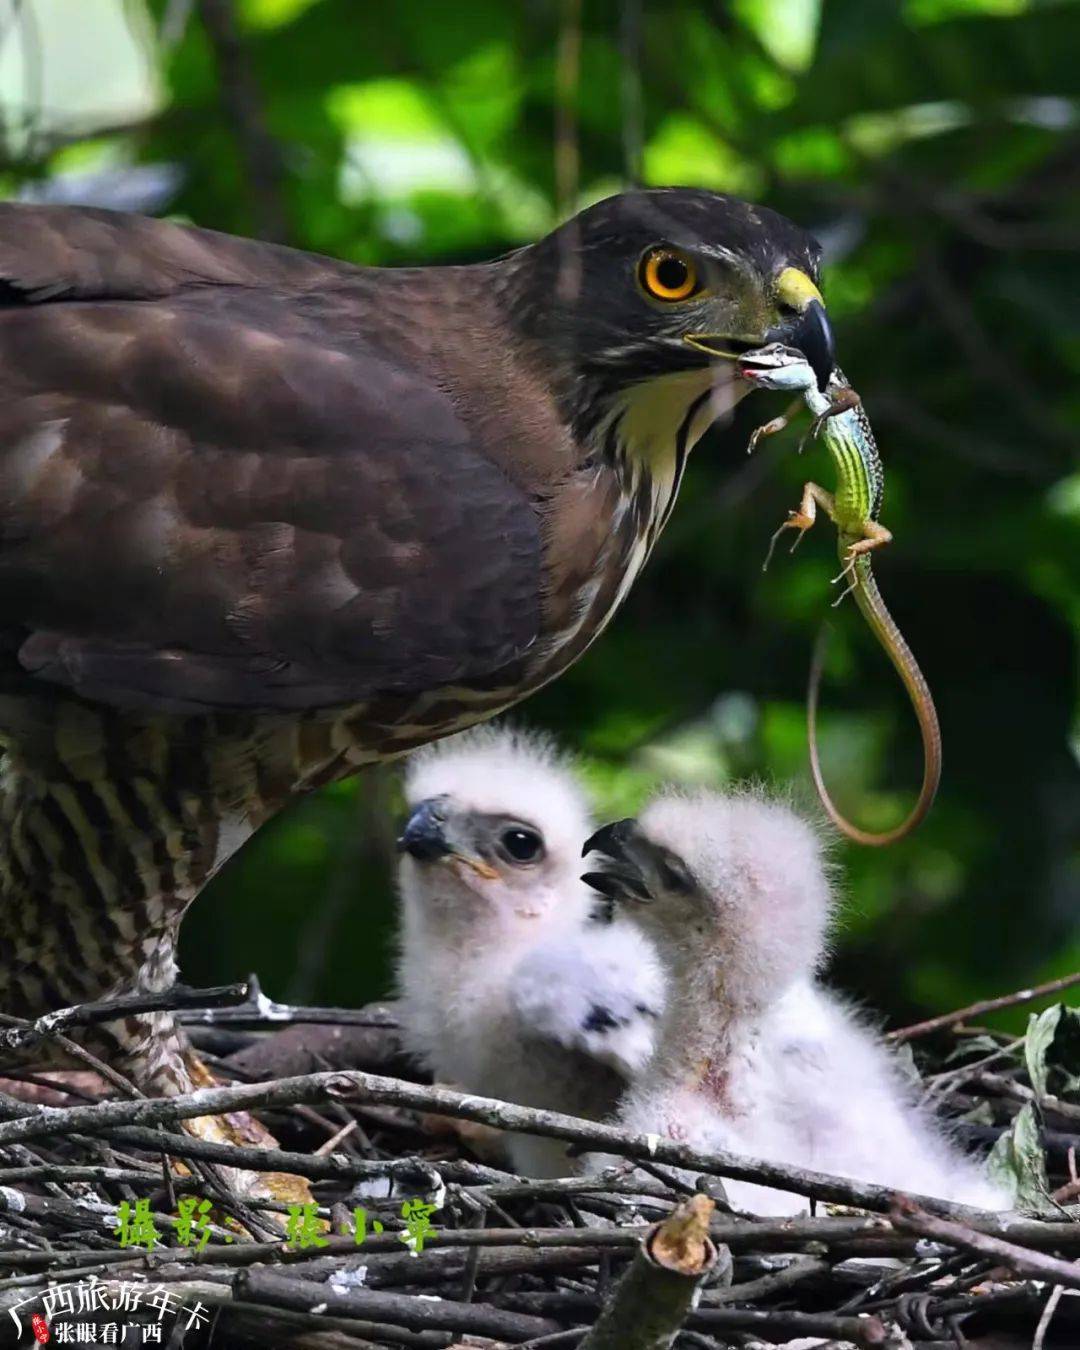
pixel 753 1054
pixel 511 985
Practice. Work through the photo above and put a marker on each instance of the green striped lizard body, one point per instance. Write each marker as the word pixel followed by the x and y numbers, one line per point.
pixel 854 508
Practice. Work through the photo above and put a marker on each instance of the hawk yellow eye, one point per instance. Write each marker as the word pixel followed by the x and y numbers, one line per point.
pixel 668 274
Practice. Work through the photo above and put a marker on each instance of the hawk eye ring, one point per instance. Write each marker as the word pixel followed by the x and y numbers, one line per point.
pixel 668 274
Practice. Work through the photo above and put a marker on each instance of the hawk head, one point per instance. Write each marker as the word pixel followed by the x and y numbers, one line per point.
pixel 664 282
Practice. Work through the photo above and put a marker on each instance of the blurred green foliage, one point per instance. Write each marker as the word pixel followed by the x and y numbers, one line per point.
pixel 934 146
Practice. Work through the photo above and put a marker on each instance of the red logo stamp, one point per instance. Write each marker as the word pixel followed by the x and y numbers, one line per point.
pixel 41 1328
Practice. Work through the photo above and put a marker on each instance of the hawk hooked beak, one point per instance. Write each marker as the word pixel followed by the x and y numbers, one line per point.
pixel 807 330
pixel 426 837
pixel 811 332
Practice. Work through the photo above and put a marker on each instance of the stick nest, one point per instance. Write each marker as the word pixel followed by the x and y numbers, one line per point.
pixel 513 1261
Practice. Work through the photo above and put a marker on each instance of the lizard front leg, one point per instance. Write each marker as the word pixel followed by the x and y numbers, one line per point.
pixel 802 518
pixel 766 429
pixel 843 402
pixel 776 424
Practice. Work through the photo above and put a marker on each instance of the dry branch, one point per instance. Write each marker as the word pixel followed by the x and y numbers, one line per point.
pixel 513 1261
pixel 986 1005
pixel 372 1088
pixel 1022 1260
pixel 20 1034
pixel 651 1300
pixel 266 1286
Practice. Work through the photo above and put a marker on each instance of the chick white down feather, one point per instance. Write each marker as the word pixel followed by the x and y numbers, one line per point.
pixel 511 984
pixel 753 1054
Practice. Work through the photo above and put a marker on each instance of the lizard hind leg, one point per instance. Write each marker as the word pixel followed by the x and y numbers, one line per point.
pixel 874 536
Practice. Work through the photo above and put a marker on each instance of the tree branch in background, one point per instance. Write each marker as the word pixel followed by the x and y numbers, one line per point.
pixel 987 1005
pixel 567 84
pixel 243 103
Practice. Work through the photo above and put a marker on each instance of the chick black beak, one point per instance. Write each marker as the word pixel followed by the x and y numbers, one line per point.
pixel 424 834
pixel 622 846
pixel 811 333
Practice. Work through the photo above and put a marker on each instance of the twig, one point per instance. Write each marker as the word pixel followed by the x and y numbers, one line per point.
pixel 20 1034
pixel 260 1011
pixel 780 1281
pixel 995 1082
pixel 256 1159
pixel 1047 1317
pixel 92 1062
pixel 1015 1000
pixel 1021 1259
pixel 651 1301
pixel 265 1286
pixel 373 1088
pixel 867 1330
pixel 328 1145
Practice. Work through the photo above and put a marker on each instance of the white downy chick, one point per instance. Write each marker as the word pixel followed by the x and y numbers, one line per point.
pixel 753 1055
pixel 511 984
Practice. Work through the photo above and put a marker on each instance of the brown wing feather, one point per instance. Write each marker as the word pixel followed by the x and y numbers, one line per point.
pixel 60 252
pixel 234 496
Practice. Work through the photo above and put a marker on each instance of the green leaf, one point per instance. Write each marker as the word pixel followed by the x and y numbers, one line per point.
pixel 787 29
pixel 1052 1051
pixel 1018 1164
pixel 1041 1029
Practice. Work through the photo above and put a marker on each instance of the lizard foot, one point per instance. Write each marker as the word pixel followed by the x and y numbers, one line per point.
pixel 797 520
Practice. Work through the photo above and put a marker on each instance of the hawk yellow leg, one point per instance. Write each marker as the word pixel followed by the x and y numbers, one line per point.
pixel 241 1128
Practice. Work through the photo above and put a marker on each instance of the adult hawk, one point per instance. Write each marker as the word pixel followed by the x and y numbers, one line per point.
pixel 266 517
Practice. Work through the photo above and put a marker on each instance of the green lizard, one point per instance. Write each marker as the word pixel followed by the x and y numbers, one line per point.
pixel 854 509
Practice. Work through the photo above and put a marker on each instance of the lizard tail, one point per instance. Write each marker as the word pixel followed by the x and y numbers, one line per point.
pixel 872 606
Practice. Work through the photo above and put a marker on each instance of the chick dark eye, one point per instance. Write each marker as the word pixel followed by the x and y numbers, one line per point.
pixel 668 274
pixel 522 846
pixel 675 875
